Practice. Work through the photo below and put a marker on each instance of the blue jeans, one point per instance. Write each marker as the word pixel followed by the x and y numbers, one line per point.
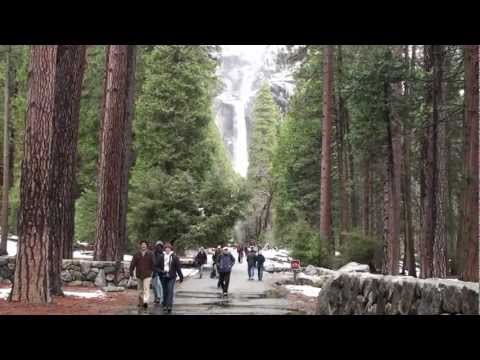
pixel 168 290
pixel 251 271
pixel 260 272
pixel 157 288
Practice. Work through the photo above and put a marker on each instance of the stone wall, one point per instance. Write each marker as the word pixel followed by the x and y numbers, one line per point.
pixel 364 293
pixel 84 272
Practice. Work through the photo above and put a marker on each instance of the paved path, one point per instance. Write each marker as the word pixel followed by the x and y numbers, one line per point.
pixel 246 297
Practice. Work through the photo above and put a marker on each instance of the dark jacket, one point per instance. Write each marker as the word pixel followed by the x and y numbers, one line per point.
pixel 142 264
pixel 157 253
pixel 175 266
pixel 251 258
pixel 215 256
pixel 225 262
pixel 260 260
pixel 201 258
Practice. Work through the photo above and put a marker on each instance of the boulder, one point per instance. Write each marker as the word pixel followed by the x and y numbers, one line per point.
pixel 66 263
pixel 85 266
pixel 310 270
pixel 92 275
pixel 123 283
pixel 77 276
pixel 452 299
pixel 88 284
pixel 11 266
pixel 6 282
pixel 110 277
pixel 469 301
pixel 100 280
pixel 73 267
pixel 66 276
pixel 109 269
pixel 3 260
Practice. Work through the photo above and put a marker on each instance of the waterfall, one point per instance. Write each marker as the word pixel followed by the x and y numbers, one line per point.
pixel 242 70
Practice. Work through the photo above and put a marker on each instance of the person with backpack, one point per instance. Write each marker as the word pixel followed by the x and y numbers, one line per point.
pixel 260 260
pixel 251 261
pixel 156 282
pixel 143 264
pixel 201 260
pixel 169 266
pixel 225 264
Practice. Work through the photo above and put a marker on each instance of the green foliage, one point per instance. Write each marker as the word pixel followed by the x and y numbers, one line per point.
pixel 359 248
pixel 182 187
pixel 306 244
pixel 85 216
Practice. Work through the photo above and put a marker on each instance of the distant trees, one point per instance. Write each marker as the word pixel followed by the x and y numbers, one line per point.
pixel 400 109
pixel 266 117
pixel 325 174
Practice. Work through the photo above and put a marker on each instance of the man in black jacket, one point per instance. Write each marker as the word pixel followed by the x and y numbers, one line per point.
pixel 260 260
pixel 225 263
pixel 168 266
pixel 251 262
pixel 201 260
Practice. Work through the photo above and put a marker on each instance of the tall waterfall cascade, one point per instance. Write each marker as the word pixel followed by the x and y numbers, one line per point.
pixel 242 71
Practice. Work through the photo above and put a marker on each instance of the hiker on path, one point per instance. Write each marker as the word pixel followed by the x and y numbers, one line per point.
pixel 260 260
pixel 201 260
pixel 225 264
pixel 156 281
pixel 169 266
pixel 143 264
pixel 251 262
pixel 240 254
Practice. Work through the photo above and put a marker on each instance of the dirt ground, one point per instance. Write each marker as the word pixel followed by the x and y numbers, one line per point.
pixel 111 304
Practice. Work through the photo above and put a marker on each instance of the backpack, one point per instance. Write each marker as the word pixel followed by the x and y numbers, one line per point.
pixel 225 263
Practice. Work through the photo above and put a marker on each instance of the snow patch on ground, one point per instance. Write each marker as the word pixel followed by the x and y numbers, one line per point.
pixel 11 247
pixel 4 293
pixel 85 294
pixel 304 290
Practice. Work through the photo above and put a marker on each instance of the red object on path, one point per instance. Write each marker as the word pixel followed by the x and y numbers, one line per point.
pixel 295 264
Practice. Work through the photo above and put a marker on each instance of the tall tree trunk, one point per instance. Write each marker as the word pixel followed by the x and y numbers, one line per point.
pixel 127 160
pixel 70 71
pixel 440 259
pixel 31 280
pixel 112 157
pixel 340 131
pixel 469 221
pixel 429 161
pixel 325 183
pixel 6 154
pixel 392 184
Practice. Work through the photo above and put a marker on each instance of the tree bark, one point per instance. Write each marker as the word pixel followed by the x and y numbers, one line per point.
pixel 469 221
pixel 6 154
pixel 31 279
pixel 366 197
pixel 340 131
pixel 440 245
pixel 127 155
pixel 392 183
pixel 325 183
pixel 111 200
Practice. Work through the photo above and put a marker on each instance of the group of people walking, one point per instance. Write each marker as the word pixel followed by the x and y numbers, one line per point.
pixel 159 267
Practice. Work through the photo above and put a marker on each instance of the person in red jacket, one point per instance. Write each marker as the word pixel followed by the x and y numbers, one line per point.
pixel 142 264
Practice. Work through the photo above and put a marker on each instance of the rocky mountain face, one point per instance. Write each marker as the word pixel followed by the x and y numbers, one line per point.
pixel 242 77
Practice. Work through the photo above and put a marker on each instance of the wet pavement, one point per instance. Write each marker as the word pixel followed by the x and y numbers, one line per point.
pixel 246 297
